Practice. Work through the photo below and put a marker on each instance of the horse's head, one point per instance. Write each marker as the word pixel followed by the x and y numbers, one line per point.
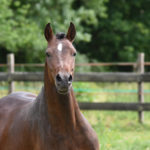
pixel 60 58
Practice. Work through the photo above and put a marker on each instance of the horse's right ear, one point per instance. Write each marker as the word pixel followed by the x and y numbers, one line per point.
pixel 48 32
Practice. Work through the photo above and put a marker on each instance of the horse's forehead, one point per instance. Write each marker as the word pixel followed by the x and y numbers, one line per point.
pixel 60 45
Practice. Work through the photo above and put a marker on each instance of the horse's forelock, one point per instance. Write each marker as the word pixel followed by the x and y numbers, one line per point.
pixel 60 35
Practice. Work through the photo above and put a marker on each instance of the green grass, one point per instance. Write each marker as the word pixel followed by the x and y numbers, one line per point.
pixel 116 130
pixel 120 130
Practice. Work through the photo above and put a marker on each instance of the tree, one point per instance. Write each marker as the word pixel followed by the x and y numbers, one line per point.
pixel 23 22
pixel 106 30
pixel 122 33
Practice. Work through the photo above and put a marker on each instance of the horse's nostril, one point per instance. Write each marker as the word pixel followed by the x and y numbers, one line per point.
pixel 58 77
pixel 70 78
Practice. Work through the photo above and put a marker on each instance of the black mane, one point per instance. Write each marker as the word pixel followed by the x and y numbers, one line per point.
pixel 60 35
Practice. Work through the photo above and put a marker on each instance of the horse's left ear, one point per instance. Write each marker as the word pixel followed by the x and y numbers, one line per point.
pixel 71 32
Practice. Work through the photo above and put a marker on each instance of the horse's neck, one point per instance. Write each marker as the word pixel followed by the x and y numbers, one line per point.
pixel 61 110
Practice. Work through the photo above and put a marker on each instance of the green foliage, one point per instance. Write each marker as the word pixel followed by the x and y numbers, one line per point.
pixel 18 34
pixel 22 23
pixel 122 34
pixel 106 30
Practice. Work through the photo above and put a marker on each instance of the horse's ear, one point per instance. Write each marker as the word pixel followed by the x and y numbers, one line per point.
pixel 48 32
pixel 71 32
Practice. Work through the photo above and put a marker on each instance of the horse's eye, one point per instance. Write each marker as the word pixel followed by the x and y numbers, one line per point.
pixel 74 54
pixel 47 54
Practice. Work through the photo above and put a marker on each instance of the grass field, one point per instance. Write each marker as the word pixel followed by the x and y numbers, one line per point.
pixel 116 130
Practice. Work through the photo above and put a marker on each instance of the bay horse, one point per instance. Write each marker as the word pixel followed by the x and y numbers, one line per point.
pixel 52 120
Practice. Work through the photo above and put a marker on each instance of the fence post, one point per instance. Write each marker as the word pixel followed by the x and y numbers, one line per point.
pixel 11 69
pixel 140 69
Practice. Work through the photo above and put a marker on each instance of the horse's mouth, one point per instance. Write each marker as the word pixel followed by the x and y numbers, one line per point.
pixel 63 91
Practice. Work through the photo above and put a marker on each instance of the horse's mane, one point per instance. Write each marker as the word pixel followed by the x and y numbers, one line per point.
pixel 60 35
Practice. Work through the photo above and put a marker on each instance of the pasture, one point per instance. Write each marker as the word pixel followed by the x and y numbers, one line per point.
pixel 116 130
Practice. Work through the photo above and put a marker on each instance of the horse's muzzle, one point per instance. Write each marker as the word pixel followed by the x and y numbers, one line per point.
pixel 63 82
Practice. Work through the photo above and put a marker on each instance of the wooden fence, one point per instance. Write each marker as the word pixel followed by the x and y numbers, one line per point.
pixel 138 77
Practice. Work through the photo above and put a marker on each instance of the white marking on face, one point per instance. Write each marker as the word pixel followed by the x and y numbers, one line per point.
pixel 59 47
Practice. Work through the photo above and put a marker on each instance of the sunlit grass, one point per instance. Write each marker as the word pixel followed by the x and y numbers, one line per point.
pixel 120 130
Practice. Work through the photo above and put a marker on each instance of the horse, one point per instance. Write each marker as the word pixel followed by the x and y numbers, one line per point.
pixel 52 120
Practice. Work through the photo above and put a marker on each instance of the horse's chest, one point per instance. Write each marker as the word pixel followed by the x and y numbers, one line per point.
pixel 74 141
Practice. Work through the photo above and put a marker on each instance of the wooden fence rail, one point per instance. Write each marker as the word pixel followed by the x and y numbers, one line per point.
pixel 84 77
pixel 133 64
pixel 139 77
pixel 115 106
